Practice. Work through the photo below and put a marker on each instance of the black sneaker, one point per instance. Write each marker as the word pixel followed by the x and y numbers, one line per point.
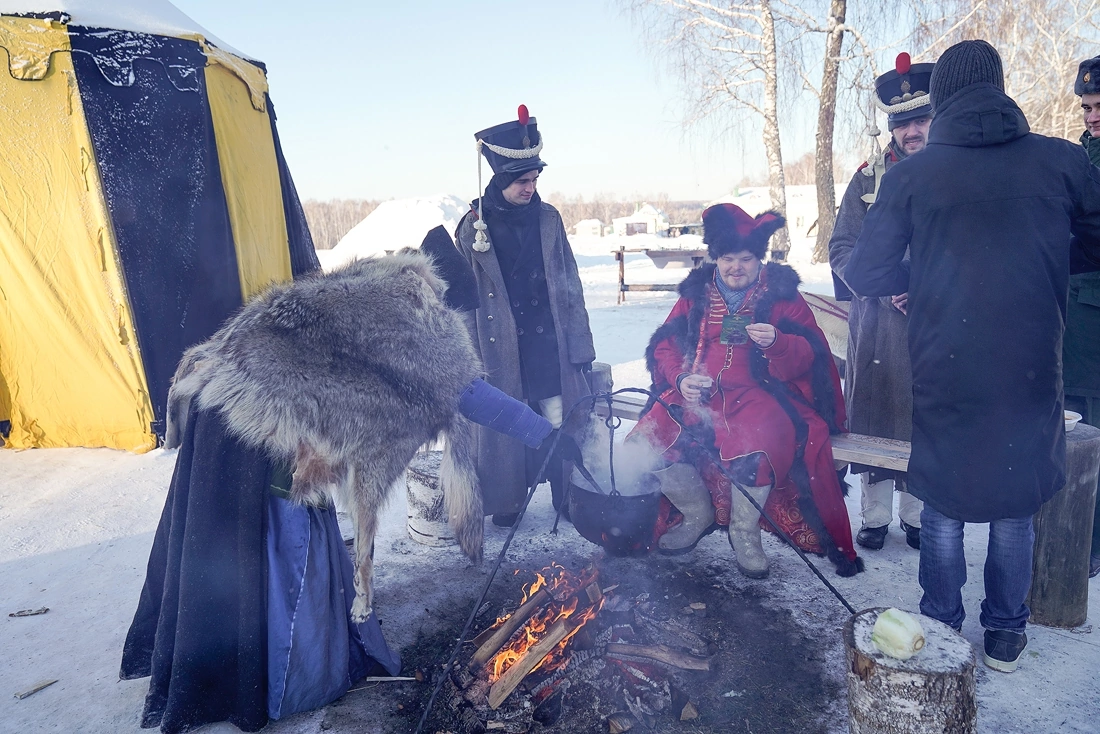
pixel 1094 565
pixel 912 535
pixel 1003 649
pixel 872 538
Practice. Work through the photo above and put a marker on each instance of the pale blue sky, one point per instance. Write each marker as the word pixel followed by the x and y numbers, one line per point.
pixel 381 99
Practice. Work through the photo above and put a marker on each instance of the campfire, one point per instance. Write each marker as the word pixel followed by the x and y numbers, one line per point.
pixel 567 630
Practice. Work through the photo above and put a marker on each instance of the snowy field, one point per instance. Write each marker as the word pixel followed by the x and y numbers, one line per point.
pixel 76 526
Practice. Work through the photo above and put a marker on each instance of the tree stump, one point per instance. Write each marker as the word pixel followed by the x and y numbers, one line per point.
pixel 1059 595
pixel 933 691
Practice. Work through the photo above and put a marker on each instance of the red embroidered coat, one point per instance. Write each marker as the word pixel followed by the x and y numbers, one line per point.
pixel 770 411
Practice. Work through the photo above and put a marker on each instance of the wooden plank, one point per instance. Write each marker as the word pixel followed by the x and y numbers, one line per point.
pixel 649 287
pixel 848 448
pixel 886 453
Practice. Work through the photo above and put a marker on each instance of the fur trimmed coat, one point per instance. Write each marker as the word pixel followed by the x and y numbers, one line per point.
pixel 501 460
pixel 770 411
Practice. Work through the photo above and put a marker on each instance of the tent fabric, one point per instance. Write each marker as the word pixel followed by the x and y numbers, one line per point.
pixel 156 149
pixel 67 338
pixel 303 255
pixel 250 179
pixel 144 198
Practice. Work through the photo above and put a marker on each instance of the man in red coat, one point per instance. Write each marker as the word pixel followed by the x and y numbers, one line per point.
pixel 745 366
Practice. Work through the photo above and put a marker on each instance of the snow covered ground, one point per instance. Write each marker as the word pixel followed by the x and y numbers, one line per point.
pixel 76 526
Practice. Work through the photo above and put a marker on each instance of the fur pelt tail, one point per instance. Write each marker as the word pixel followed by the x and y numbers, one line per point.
pixel 461 491
pixel 186 383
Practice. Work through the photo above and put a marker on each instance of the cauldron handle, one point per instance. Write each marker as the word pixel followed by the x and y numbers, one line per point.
pixel 612 422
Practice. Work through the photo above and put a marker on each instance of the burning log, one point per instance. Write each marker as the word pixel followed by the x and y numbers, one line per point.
pixel 500 637
pixel 519 670
pixel 660 653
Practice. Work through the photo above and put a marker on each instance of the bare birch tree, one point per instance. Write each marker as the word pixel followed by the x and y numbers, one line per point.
pixel 1040 42
pixel 726 54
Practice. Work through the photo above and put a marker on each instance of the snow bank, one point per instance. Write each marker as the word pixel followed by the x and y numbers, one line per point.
pixel 396 224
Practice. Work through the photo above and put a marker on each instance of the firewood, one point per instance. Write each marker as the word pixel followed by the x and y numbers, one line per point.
pixel 497 640
pixel 620 722
pixel 593 592
pixel 534 655
pixel 35 688
pixel 660 653
pixel 689 712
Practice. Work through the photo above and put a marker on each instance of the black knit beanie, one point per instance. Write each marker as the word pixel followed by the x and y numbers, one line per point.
pixel 965 63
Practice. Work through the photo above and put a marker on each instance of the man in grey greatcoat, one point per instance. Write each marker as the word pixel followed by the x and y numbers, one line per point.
pixel 531 327
pixel 878 384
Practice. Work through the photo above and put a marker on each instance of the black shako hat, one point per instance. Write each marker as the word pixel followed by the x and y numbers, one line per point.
pixel 452 267
pixel 728 229
pixel 1088 77
pixel 965 63
pixel 512 147
pixel 903 92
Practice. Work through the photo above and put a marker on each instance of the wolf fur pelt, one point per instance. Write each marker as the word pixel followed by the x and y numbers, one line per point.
pixel 343 377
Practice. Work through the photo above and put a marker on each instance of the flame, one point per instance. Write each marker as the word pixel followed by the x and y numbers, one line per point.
pixel 563 588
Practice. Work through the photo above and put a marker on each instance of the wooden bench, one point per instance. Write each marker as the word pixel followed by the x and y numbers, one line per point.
pixel 848 448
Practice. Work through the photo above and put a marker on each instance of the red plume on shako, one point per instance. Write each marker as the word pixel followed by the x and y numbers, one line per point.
pixel 524 115
pixel 902 63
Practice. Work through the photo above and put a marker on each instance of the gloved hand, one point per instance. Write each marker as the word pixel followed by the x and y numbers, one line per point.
pixel 567 449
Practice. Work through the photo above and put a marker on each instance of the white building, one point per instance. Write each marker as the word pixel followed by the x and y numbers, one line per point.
pixel 588 228
pixel 647 219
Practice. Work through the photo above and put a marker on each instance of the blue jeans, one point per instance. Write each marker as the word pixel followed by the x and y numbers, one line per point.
pixel 1007 571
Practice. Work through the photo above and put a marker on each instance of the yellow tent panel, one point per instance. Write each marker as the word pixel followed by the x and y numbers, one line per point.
pixel 67 344
pixel 250 172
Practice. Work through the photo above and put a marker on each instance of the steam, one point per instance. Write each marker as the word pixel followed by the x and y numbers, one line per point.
pixel 634 459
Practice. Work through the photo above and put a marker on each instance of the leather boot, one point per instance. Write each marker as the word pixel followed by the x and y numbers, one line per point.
pixel 745 532
pixel 684 488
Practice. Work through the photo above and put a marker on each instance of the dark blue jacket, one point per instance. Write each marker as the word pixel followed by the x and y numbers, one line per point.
pixel 987 211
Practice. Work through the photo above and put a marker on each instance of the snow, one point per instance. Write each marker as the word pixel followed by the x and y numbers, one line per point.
pixel 76 526
pixel 157 17
pixel 396 224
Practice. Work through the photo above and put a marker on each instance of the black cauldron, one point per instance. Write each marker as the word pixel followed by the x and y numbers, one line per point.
pixel 623 524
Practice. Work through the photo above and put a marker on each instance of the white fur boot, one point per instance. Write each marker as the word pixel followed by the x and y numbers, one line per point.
pixel 745 532
pixel 684 488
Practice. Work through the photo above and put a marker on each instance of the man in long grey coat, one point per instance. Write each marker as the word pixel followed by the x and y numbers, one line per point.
pixel 531 326
pixel 878 383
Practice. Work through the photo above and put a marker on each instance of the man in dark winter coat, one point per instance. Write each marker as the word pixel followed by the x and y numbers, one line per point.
pixel 1081 347
pixel 987 211
pixel 878 385
pixel 531 327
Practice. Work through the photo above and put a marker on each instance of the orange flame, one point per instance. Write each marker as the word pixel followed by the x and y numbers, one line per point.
pixel 563 587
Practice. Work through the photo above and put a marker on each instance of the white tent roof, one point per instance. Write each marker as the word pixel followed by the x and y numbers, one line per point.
pixel 158 17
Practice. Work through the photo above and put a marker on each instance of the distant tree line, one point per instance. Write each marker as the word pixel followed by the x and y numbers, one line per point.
pixel 330 220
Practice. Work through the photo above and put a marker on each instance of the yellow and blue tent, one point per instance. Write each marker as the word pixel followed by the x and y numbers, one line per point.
pixel 143 198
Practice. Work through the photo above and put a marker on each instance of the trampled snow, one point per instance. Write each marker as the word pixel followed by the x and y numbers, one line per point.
pixel 396 224
pixel 76 526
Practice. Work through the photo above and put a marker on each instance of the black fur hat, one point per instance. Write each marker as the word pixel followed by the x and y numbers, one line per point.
pixel 1088 77
pixel 453 269
pixel 728 229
